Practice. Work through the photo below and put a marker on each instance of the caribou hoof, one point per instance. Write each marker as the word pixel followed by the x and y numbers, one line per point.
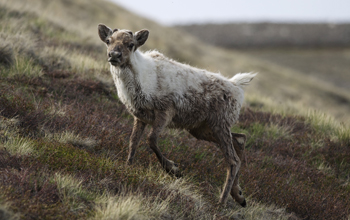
pixel 244 204
pixel 174 169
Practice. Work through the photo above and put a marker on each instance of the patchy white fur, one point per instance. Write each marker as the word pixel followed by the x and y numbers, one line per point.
pixel 242 79
pixel 123 94
pixel 176 78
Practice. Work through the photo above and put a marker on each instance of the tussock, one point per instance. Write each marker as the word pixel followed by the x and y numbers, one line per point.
pixel 19 145
pixel 19 44
pixel 130 207
pixel 68 185
pixel 88 65
pixel 72 192
pixel 71 138
pixel 53 59
pixel 6 54
pixel 263 212
pixel 9 124
pixel 137 205
pixel 326 125
pixel 181 188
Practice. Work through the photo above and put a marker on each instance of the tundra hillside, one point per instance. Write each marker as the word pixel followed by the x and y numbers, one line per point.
pixel 64 133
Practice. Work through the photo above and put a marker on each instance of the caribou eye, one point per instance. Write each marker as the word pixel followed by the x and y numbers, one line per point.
pixel 107 41
pixel 131 46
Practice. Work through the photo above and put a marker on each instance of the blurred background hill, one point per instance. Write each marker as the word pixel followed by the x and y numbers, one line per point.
pixel 272 35
pixel 319 52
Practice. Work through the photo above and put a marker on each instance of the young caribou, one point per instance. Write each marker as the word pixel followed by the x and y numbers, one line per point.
pixel 164 93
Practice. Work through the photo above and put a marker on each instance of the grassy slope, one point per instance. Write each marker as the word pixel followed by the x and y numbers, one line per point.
pixel 328 67
pixel 328 64
pixel 64 134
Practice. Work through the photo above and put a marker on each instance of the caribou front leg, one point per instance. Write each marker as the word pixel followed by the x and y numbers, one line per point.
pixel 162 118
pixel 135 137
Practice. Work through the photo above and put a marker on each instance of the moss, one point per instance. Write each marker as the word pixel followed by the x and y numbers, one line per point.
pixel 69 158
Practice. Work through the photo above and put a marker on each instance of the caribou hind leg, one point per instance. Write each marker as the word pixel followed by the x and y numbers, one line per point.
pixel 238 141
pixel 224 142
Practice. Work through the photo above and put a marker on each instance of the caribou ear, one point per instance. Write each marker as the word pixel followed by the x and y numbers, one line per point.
pixel 104 32
pixel 141 37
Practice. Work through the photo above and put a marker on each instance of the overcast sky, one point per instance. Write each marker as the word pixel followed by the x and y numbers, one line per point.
pixel 170 12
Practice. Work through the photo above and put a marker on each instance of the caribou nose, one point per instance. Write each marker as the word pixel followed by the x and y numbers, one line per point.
pixel 114 54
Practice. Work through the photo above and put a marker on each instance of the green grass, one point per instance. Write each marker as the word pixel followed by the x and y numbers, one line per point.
pixel 22 66
pixel 328 126
pixel 258 131
pixel 325 124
